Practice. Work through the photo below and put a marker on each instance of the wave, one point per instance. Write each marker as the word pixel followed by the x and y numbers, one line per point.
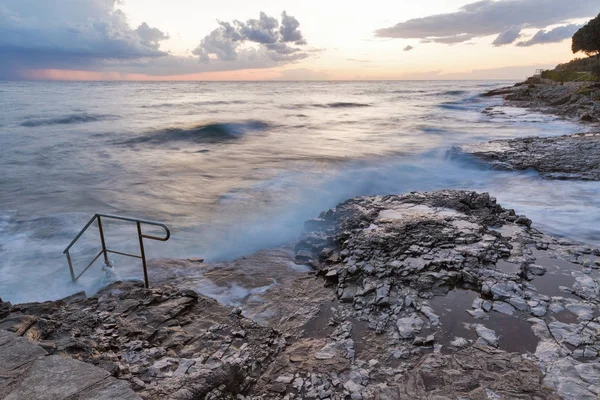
pixel 196 103
pixel 68 119
pixel 342 105
pixel 325 105
pixel 209 133
pixel 432 131
pixel 454 93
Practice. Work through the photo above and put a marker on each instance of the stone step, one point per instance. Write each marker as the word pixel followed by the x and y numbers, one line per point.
pixel 27 371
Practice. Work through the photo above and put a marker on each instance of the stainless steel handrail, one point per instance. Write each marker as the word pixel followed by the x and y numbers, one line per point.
pixel 105 251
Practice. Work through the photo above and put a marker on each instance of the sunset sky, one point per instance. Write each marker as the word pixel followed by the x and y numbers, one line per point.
pixel 285 39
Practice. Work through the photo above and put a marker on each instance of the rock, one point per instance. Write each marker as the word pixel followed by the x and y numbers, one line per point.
pixel 584 312
pixel 28 372
pixel 518 303
pixel 408 327
pixel 535 269
pixel 562 157
pixel 522 220
pixel 487 335
pixel 4 308
pixel 459 342
pixel 327 352
pixel 384 269
pixel 503 308
pixel 287 378
pixel 478 313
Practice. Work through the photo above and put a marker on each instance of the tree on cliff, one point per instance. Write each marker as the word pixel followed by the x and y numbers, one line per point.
pixel 587 39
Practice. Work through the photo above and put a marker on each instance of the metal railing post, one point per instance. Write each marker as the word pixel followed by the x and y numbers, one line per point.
pixel 105 250
pixel 70 266
pixel 103 242
pixel 143 254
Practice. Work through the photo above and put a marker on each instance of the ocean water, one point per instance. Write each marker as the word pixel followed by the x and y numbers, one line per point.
pixel 236 167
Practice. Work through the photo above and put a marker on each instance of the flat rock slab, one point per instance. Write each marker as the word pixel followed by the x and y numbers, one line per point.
pixel 28 372
pixel 563 157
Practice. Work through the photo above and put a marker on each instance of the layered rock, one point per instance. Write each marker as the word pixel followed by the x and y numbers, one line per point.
pixel 578 100
pixel 387 257
pixel 563 157
pixel 166 342
pixel 437 295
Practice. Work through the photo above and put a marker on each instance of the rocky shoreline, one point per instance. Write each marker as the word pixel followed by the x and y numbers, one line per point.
pixel 439 295
pixel 576 100
pixel 574 157
pixel 563 157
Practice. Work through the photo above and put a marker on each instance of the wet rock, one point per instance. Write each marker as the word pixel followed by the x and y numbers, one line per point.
pixel 28 372
pixel 4 308
pixel 368 322
pixel 584 312
pixel 537 270
pixel 169 343
pixel 503 308
pixel 564 157
pixel 486 335
pixel 408 327
pixel 478 313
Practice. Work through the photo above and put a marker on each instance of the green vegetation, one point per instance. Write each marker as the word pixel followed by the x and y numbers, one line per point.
pixel 568 76
pixel 587 39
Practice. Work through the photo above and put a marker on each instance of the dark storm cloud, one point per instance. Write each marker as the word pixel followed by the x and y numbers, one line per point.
pixel 487 17
pixel 555 35
pixel 226 42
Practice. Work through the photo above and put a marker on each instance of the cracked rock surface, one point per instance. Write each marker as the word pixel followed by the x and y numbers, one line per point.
pixel 439 295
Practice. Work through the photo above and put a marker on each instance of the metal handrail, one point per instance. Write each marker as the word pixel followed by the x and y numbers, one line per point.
pixel 105 250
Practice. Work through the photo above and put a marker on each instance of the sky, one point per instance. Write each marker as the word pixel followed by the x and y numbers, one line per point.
pixel 286 39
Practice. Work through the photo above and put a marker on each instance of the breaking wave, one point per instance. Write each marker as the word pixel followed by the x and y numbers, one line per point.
pixel 342 105
pixel 196 103
pixel 208 133
pixel 454 93
pixel 67 120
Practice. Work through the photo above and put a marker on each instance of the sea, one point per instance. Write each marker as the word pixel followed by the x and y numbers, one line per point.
pixel 235 167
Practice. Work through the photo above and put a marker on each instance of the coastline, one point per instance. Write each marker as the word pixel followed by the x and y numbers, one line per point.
pixel 364 322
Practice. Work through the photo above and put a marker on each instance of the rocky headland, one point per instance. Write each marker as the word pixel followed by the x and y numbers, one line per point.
pixel 565 157
pixel 576 100
pixel 439 295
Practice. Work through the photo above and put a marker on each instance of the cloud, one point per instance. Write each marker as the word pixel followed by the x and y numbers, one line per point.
pixel 228 40
pixel 508 36
pixel 289 30
pixel 555 35
pixel 450 39
pixel 150 37
pixel 263 30
pixel 73 34
pixel 94 35
pixel 408 48
pixel 487 17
